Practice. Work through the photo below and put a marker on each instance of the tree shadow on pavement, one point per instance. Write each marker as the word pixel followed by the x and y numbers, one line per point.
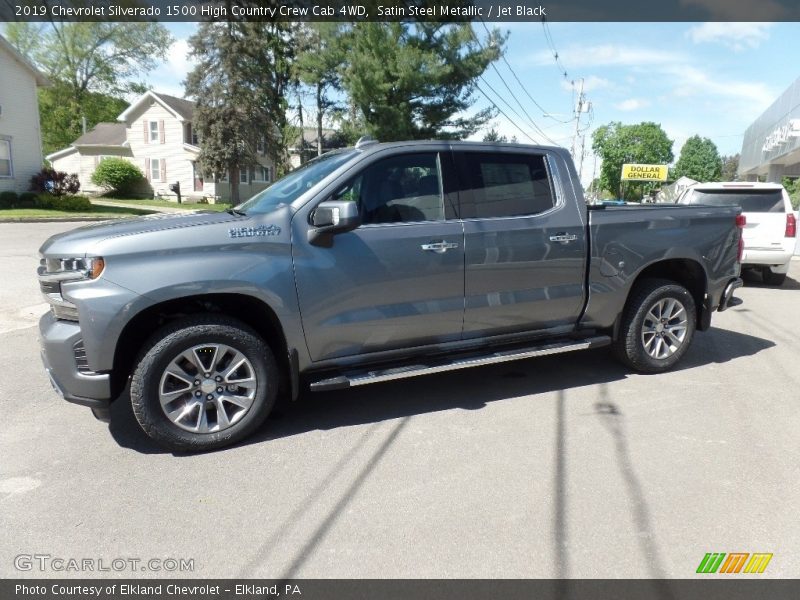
pixel 467 389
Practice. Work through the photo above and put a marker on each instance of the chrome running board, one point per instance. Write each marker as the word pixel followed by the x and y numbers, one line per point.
pixel 356 378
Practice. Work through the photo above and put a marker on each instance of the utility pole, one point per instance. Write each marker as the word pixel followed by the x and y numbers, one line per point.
pixel 581 107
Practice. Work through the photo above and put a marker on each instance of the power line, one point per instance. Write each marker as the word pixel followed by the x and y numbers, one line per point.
pixel 530 119
pixel 545 113
pixel 525 133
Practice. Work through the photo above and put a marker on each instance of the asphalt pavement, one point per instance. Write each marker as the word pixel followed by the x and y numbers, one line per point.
pixel 563 466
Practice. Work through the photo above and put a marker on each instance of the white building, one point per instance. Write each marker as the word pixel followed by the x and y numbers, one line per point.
pixel 20 136
pixel 155 133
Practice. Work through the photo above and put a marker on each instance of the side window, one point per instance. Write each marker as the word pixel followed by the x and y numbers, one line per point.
pixel 400 189
pixel 508 185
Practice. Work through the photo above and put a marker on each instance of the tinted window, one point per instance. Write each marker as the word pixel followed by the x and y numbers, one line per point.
pixel 763 201
pixel 508 185
pixel 400 189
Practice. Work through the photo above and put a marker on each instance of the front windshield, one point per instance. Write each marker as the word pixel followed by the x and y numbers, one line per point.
pixel 287 189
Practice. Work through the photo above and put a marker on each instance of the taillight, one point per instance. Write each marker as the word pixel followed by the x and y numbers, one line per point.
pixel 741 221
pixel 791 226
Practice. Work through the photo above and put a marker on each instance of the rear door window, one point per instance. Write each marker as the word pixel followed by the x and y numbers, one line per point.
pixel 506 185
pixel 753 201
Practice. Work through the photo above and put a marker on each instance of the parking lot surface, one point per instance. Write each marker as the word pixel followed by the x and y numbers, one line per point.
pixel 563 466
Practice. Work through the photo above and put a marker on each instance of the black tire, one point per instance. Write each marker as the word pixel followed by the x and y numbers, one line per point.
pixel 630 347
pixel 771 278
pixel 182 335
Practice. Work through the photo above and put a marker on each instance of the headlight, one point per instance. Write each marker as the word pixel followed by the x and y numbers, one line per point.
pixel 55 271
pixel 72 268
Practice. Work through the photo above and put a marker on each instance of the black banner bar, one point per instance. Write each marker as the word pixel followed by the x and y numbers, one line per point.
pixel 401 10
pixel 713 588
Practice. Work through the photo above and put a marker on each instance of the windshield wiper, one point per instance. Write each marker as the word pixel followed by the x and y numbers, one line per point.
pixel 236 211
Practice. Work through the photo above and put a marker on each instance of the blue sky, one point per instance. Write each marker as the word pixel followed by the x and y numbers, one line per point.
pixel 711 79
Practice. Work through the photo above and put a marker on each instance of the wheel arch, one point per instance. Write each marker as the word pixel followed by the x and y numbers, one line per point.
pixel 252 311
pixel 684 271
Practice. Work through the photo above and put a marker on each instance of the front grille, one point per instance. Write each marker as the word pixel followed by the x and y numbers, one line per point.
pixel 81 362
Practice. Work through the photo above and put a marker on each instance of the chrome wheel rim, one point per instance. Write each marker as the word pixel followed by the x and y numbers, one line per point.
pixel 664 328
pixel 207 388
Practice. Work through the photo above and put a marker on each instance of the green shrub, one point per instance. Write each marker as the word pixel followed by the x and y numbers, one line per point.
pixel 27 200
pixel 68 203
pixel 8 199
pixel 117 175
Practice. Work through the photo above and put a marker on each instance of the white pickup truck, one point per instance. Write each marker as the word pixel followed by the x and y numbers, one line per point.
pixel 770 233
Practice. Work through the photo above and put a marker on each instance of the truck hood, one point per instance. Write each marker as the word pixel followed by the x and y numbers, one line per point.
pixel 79 241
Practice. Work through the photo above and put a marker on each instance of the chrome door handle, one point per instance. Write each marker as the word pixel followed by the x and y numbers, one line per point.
pixel 439 247
pixel 563 238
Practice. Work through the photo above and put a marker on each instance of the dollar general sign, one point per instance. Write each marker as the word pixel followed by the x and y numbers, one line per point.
pixel 644 172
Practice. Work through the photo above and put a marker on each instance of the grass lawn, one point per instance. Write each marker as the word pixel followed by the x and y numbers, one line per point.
pixel 166 203
pixel 96 211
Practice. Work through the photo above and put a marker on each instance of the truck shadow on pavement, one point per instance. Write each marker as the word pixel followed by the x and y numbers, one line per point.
pixel 468 389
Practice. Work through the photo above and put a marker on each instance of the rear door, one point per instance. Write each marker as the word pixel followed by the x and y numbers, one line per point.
pixel 525 245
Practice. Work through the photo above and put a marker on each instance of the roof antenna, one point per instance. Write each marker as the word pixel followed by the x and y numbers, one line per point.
pixel 365 140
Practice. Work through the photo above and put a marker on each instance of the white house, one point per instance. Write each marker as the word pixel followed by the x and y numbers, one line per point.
pixel 20 136
pixel 155 133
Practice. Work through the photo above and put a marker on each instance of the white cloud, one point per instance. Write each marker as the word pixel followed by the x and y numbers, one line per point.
pixel 168 77
pixel 606 55
pixel 737 36
pixel 632 104
pixel 590 83
pixel 692 81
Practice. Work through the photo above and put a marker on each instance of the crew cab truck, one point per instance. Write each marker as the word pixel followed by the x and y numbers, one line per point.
pixel 370 264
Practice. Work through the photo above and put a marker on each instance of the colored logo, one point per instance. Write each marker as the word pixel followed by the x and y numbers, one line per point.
pixel 734 562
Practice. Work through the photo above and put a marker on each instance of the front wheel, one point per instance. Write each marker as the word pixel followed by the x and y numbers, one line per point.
pixel 657 326
pixel 203 382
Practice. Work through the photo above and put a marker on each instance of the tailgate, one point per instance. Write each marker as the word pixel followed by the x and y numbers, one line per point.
pixel 764 230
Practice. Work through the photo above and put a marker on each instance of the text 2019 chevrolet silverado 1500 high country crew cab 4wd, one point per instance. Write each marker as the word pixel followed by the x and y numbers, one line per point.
pixel 370 264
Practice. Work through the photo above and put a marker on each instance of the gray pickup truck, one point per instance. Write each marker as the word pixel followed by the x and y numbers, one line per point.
pixel 371 264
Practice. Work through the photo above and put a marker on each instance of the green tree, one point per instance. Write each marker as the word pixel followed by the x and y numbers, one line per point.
pixel 730 168
pixel 416 81
pixel 494 136
pixel 699 160
pixel 317 65
pixel 61 122
pixel 239 84
pixel 90 65
pixel 617 144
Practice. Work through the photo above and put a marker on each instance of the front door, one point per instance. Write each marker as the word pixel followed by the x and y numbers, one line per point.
pixel 398 280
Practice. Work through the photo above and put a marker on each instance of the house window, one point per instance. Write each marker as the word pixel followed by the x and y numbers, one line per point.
pixel 153 129
pixel 243 175
pixel 6 169
pixel 263 174
pixel 155 169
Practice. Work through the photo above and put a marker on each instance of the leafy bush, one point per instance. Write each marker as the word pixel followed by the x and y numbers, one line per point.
pixel 8 199
pixel 27 200
pixel 117 175
pixel 55 182
pixel 68 203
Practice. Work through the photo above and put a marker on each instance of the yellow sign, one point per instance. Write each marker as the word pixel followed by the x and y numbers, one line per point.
pixel 644 172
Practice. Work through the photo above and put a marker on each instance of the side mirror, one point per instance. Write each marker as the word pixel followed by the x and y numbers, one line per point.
pixel 331 217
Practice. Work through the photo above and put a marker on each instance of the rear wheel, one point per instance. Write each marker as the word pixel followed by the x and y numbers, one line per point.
pixel 772 278
pixel 204 382
pixel 657 326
